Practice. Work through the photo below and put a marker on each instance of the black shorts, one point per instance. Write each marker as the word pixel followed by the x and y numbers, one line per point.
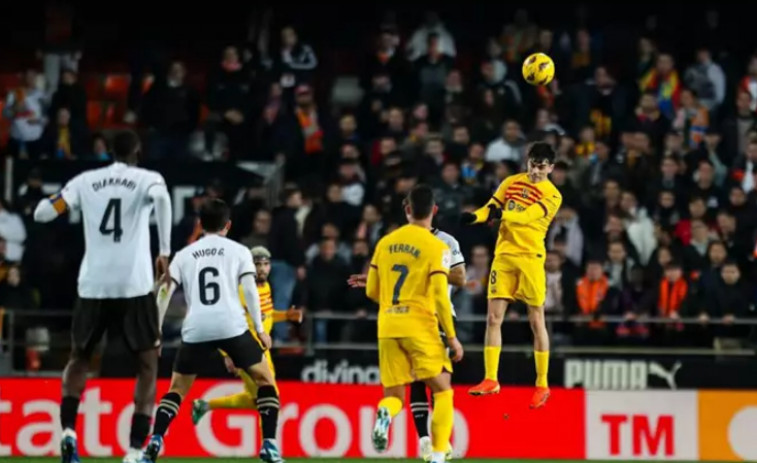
pixel 243 350
pixel 135 319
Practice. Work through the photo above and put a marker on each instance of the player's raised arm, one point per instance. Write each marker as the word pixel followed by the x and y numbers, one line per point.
pixel 492 209
pixel 545 207
pixel 48 209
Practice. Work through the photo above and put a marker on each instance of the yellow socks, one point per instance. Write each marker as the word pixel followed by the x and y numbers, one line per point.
pixel 491 362
pixel 442 419
pixel 241 400
pixel 392 404
pixel 542 367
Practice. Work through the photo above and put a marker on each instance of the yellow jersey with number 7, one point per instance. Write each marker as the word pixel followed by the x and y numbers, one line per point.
pixel 404 261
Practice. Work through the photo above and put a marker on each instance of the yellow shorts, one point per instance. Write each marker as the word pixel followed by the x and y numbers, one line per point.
pixel 404 360
pixel 521 278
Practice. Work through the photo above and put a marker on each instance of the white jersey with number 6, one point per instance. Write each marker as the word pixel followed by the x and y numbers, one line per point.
pixel 116 205
pixel 209 270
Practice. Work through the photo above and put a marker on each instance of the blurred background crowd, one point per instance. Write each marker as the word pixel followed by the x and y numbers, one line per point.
pixel 652 115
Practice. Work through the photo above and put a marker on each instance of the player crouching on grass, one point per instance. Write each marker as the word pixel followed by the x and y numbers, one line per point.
pixel 525 203
pixel 211 270
pixel 408 279
pixel 261 257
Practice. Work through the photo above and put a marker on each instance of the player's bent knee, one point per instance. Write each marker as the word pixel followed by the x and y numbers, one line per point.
pixel 261 374
pixel 495 317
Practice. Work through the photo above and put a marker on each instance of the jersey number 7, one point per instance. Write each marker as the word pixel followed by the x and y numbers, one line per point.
pixel 403 271
pixel 112 214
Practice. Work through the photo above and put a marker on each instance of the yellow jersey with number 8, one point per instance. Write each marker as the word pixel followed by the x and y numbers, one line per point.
pixel 404 260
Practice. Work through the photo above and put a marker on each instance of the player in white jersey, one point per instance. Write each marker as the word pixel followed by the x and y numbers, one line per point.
pixel 419 403
pixel 211 270
pixel 115 278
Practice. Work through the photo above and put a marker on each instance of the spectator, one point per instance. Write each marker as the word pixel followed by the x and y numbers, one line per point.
pixel 647 57
pixel 509 147
pixel 506 95
pixel 65 139
pixel 352 180
pixel 664 81
pixel 13 232
pixel 583 60
pixel 355 300
pixel 730 300
pixel 736 128
pixel 695 253
pixel 14 293
pixel 287 264
pixel 697 211
pixel 667 179
pixel 24 107
pixel 170 111
pixel 554 303
pixel 296 61
pixel 229 101
pixel 707 79
pixel 746 166
pixel 494 55
pixel 418 45
pixel 749 83
pixel 450 194
pixel 100 151
pixel 639 227
pixel 477 274
pixel 665 211
pixel 672 301
pixel 308 135
pixel 5 265
pixel 711 151
pixel 737 244
pixel 431 71
pixel 518 37
pixel 604 105
pixel 660 259
pixel 30 193
pixel 70 94
pixel 710 275
pixel 692 119
pixel 705 187
pixel 371 226
pixel 386 61
pixel 261 229
pixel 585 147
pixel 567 228
pixel 650 120
pixel 329 231
pixel 618 265
pixel 325 287
pixel 594 298
pixel 600 170
pixel 636 304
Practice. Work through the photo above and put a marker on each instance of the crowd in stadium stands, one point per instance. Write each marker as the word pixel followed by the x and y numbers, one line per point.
pixel 657 165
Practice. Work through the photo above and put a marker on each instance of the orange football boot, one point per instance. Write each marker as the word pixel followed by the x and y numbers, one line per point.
pixel 486 387
pixel 540 397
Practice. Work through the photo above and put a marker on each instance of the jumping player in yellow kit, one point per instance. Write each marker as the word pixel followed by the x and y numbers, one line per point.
pixel 525 203
pixel 261 257
pixel 408 279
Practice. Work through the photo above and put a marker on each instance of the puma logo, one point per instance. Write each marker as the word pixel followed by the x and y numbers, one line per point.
pixel 669 376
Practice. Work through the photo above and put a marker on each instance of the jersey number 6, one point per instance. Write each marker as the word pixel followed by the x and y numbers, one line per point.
pixel 402 269
pixel 209 286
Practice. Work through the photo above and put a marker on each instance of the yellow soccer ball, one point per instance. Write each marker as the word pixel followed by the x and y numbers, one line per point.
pixel 538 69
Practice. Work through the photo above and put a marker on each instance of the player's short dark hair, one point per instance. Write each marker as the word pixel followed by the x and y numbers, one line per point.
pixel 421 201
pixel 214 214
pixel 125 144
pixel 542 152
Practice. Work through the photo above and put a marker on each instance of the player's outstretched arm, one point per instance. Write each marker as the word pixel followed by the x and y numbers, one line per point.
pixel 372 284
pixel 293 314
pixel 48 209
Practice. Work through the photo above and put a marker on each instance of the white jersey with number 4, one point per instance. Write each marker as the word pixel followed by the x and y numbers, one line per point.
pixel 209 270
pixel 116 207
pixel 456 256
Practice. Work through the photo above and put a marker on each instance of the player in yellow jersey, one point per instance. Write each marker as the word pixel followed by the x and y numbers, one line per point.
pixel 408 279
pixel 526 204
pixel 246 399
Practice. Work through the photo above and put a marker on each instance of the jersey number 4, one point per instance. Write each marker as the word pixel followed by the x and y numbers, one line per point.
pixel 112 216
pixel 210 292
pixel 403 271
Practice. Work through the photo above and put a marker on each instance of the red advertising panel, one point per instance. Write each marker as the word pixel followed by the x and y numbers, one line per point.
pixel 326 420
